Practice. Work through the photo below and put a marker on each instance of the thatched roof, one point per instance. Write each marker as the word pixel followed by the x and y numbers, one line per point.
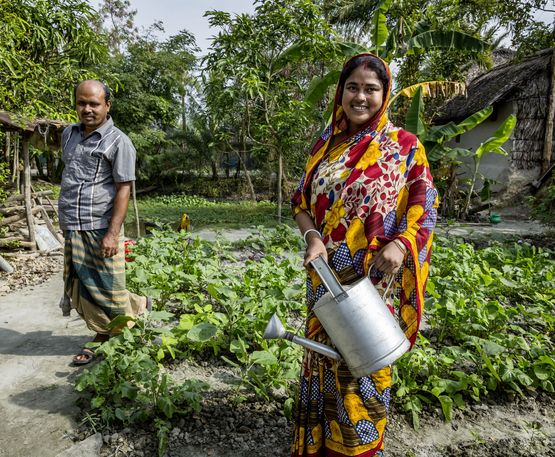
pixel 494 86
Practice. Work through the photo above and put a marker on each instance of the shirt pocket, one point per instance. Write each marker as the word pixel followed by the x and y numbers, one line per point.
pixel 87 165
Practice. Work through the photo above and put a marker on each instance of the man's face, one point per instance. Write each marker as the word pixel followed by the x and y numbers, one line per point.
pixel 92 108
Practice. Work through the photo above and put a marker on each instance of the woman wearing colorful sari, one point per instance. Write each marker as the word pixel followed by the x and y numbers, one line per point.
pixel 366 198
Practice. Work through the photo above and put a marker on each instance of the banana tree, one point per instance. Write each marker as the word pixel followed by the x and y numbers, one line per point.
pixel 435 139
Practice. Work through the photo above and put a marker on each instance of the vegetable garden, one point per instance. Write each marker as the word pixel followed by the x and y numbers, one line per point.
pixel 488 332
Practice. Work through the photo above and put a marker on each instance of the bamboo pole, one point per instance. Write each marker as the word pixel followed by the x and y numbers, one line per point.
pixel 27 192
pixel 548 138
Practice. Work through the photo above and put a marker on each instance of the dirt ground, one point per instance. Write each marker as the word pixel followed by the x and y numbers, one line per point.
pixel 39 416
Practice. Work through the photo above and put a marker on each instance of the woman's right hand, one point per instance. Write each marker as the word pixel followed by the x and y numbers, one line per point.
pixel 315 248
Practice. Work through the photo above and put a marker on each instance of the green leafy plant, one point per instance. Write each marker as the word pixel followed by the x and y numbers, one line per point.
pixel 129 386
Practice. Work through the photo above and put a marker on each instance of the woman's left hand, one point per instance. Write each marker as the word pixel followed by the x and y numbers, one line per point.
pixel 389 258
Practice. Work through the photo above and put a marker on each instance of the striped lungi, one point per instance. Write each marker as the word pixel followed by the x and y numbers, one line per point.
pixel 96 285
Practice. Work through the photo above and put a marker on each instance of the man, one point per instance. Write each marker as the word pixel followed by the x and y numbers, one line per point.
pixel 99 170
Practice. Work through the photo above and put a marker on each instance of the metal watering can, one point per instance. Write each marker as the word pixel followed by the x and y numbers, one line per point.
pixel 358 322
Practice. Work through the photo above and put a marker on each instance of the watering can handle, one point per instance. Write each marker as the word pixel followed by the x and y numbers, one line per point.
pixel 328 278
pixel 388 284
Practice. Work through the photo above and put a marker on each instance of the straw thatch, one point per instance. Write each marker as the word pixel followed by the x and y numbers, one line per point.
pixel 525 85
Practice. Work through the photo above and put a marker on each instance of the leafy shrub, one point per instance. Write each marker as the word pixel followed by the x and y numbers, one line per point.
pixel 491 316
pixel 543 205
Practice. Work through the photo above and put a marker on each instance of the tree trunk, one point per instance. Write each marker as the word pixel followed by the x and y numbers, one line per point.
pixel 214 167
pixel 279 184
pixel 247 174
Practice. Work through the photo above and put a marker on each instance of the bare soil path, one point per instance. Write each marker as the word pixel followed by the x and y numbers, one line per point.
pixel 37 400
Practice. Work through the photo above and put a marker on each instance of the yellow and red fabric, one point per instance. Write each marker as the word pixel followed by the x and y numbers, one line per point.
pixel 365 191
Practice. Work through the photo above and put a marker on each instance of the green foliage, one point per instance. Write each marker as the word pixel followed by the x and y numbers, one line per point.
pixel 491 325
pixel 47 47
pixel 151 80
pixel 4 178
pixel 543 205
pixel 129 386
pixel 204 213
pixel 490 322
pixel 223 303
pixel 254 81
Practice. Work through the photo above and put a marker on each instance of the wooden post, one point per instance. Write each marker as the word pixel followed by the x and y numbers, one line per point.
pixel 548 139
pixel 27 192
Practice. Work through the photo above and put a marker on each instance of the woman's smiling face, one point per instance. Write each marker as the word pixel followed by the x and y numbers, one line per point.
pixel 362 97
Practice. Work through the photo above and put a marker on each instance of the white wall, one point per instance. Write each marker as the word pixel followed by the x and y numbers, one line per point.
pixel 492 166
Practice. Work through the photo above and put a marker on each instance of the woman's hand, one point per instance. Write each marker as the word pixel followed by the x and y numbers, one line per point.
pixel 315 248
pixel 389 258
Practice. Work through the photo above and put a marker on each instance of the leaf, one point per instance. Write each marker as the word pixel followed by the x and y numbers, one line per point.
pixel 414 123
pixel 435 39
pixel 499 137
pixel 160 315
pixel 492 348
pixel 542 373
pixel 263 358
pixel 350 49
pixel 432 89
pixel 202 332
pixel 509 283
pixel 446 407
pixel 379 29
pixel 319 86
pixel 119 322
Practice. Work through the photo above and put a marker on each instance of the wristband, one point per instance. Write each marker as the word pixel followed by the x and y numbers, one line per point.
pixel 400 246
pixel 308 231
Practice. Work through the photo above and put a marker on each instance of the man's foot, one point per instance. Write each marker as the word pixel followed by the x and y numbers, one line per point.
pixel 85 356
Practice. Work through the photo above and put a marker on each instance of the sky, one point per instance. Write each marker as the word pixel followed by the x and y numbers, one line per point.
pixel 186 14
pixel 177 15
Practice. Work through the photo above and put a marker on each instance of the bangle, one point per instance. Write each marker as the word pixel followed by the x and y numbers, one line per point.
pixel 400 245
pixel 308 231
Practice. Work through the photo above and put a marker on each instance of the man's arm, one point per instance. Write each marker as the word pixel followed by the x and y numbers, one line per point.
pixel 109 245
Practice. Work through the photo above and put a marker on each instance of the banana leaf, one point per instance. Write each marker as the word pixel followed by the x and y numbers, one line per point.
pixel 319 86
pixel 379 29
pixel 500 136
pixel 435 39
pixel 414 122
pixel 433 89
pixel 442 133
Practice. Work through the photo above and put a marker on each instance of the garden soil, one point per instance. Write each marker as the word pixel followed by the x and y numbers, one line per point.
pixel 39 416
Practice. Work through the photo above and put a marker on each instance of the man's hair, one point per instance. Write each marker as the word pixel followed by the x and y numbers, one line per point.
pixel 107 91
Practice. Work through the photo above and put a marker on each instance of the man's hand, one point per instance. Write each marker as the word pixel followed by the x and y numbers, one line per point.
pixel 109 245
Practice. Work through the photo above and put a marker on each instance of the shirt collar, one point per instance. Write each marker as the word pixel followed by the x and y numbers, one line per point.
pixel 102 130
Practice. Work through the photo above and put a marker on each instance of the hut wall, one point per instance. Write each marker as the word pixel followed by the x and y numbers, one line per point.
pixel 531 103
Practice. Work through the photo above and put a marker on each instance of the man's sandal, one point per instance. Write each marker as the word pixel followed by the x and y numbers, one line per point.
pixel 84 357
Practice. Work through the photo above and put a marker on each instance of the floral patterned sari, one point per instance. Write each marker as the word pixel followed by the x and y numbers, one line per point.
pixel 363 192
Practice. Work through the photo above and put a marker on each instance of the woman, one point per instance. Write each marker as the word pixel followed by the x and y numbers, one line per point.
pixel 366 197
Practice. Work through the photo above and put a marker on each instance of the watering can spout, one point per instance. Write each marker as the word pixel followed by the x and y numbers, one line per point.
pixel 275 329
